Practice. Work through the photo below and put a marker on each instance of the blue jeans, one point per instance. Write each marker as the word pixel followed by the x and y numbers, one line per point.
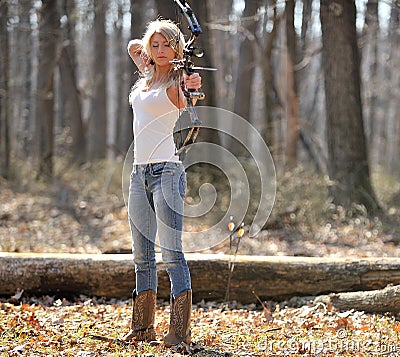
pixel 156 200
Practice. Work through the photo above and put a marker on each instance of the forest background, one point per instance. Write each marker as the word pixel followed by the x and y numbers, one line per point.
pixel 318 80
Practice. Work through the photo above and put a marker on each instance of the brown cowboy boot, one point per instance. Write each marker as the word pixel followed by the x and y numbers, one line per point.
pixel 143 311
pixel 179 328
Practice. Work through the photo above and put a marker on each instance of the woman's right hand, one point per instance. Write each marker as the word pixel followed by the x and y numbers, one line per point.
pixel 135 47
pixel 138 55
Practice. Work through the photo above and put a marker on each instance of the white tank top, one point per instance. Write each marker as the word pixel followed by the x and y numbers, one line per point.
pixel 154 118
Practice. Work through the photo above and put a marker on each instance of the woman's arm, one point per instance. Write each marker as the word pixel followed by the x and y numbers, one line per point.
pixel 175 94
pixel 135 50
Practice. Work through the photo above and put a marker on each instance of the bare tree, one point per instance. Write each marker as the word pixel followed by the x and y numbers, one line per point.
pixel 348 163
pixel 266 62
pixel 4 91
pixel 223 53
pixel 370 57
pixel 73 100
pixel 128 76
pixel 246 59
pixel 25 48
pixel 49 35
pixel 307 50
pixel 98 121
pixel 246 68
pixel 389 97
pixel 393 125
pixel 292 104
pixel 125 67
pixel 305 22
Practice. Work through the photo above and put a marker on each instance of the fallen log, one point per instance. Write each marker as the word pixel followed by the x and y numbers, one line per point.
pixel 268 278
pixel 383 300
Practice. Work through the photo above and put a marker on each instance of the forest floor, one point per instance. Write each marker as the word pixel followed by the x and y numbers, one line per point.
pixel 80 214
pixel 86 215
pixel 90 327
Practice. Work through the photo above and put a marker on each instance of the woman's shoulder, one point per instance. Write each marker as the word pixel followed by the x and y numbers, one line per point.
pixel 135 90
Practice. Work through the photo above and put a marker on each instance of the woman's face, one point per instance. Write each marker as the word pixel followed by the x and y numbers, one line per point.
pixel 161 51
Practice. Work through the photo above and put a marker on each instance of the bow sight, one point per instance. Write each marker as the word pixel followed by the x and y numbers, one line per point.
pixel 195 51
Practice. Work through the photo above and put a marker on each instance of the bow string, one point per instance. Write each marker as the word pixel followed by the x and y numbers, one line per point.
pixel 186 65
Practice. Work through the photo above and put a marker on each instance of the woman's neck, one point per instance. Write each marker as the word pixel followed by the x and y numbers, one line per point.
pixel 161 74
pixel 160 77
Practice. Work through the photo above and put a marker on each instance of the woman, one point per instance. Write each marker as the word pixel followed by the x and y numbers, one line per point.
pixel 158 181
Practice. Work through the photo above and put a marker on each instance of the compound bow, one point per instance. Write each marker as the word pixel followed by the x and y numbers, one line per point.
pixel 186 64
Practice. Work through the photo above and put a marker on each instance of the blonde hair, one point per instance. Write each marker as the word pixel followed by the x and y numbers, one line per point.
pixel 176 40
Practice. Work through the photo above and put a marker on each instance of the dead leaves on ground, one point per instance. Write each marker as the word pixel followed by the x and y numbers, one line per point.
pixel 83 214
pixel 68 329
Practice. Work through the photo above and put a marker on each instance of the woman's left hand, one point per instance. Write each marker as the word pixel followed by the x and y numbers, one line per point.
pixel 193 81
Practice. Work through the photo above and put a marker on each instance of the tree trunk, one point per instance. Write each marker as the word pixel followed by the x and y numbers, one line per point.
pixel 292 104
pixel 266 61
pixel 112 276
pixel 246 60
pixel 305 21
pixel 98 121
pixel 223 58
pixel 371 32
pixel 390 96
pixel 246 68
pixel 44 125
pixel 125 66
pixel 25 48
pixel 348 163
pixel 395 161
pixel 393 146
pixel 307 110
pixel 73 107
pixel 73 100
pixel 222 44
pixel 381 301
pixel 4 92
pixel 129 75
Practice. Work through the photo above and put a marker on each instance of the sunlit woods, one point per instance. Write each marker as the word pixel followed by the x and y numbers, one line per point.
pixel 320 81
pixel 65 78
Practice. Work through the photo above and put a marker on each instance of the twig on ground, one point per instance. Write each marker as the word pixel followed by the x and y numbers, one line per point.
pixel 239 230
